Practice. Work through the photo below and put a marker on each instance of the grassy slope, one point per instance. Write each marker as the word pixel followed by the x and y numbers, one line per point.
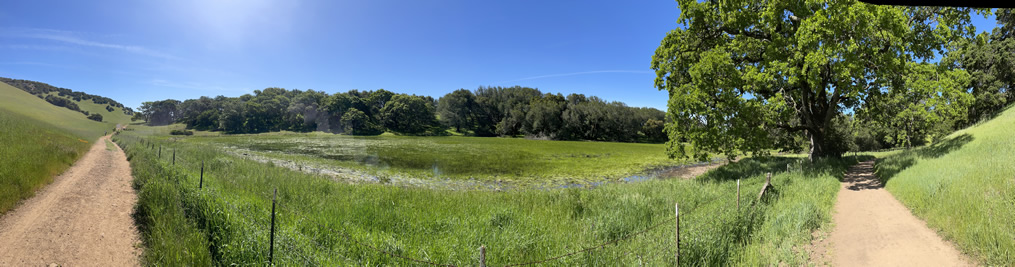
pixel 31 154
pixel 111 117
pixel 964 187
pixel 227 221
pixel 17 101
pixel 39 140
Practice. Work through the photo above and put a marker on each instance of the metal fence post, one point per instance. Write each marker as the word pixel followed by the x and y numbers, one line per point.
pixel 482 256
pixel 738 194
pixel 676 256
pixel 200 184
pixel 271 244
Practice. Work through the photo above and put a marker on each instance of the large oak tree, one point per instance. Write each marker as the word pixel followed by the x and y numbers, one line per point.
pixel 737 70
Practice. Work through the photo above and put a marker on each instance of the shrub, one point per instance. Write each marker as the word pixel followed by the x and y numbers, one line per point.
pixel 95 117
pixel 181 132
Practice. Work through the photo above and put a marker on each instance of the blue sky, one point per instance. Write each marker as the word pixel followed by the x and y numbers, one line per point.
pixel 135 51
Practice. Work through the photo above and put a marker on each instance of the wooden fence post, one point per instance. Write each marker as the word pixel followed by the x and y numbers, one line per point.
pixel 482 256
pixel 676 256
pixel 271 244
pixel 160 152
pixel 174 157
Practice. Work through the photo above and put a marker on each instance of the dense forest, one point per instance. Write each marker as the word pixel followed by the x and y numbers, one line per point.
pixel 64 96
pixel 486 111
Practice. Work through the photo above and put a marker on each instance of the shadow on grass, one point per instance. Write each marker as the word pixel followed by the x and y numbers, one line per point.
pixel 756 166
pixel 889 167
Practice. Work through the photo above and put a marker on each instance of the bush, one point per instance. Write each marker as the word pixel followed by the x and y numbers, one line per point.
pixel 181 132
pixel 95 117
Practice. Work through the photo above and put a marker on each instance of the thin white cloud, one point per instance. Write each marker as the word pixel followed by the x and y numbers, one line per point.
pixel 69 37
pixel 576 74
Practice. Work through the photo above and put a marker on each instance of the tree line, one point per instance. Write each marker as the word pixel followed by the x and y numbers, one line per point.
pixel 486 111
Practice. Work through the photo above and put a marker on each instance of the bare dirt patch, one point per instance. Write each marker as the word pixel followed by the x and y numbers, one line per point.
pixel 82 219
pixel 689 172
pixel 873 229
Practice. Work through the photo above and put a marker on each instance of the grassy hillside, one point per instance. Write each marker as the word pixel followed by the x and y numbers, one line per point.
pixel 113 117
pixel 20 102
pixel 40 140
pixel 964 187
pixel 31 154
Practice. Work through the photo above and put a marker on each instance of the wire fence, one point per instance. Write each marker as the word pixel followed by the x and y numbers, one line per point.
pixel 289 245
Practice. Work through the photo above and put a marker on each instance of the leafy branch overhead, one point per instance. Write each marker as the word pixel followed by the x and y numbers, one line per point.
pixel 742 73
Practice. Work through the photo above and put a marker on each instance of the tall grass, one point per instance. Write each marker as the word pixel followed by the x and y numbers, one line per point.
pixel 31 153
pixel 320 221
pixel 964 187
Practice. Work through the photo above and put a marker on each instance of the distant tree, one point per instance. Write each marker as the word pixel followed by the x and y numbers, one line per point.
pixel 457 109
pixel 407 114
pixel 932 99
pixel 160 112
pixel 356 122
pixel 305 112
pixel 990 59
pixel 95 117
pixel 544 116
pixel 653 131
pixel 232 118
pixel 109 108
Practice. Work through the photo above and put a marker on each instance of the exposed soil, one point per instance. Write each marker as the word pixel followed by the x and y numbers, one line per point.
pixel 82 219
pixel 873 229
pixel 690 172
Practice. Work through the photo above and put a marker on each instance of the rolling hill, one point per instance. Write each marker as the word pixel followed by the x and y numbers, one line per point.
pixel 963 187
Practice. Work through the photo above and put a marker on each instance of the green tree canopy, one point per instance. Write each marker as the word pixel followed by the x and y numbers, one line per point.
pixel 735 70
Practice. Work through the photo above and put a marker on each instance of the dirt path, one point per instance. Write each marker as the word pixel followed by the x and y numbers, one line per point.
pixel 873 229
pixel 82 219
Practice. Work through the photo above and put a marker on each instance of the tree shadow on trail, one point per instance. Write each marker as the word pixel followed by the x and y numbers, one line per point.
pixel 889 167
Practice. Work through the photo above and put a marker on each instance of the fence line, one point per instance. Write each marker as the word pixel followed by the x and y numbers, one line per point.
pixel 349 238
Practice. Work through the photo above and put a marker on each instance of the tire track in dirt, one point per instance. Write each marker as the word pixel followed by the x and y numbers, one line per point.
pixel 82 219
pixel 872 228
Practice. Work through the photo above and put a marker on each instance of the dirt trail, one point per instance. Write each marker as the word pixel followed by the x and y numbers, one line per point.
pixel 872 228
pixel 82 219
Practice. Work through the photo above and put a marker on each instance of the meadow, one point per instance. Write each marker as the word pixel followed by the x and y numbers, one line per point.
pixel 505 160
pixel 324 222
pixel 964 187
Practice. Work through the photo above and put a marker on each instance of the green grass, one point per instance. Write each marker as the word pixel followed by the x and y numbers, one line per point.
pixel 31 154
pixel 227 222
pixel 20 102
pixel 39 140
pixel 964 187
pixel 455 157
pixel 111 117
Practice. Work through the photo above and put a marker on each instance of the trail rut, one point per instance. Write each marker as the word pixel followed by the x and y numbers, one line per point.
pixel 872 228
pixel 82 219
